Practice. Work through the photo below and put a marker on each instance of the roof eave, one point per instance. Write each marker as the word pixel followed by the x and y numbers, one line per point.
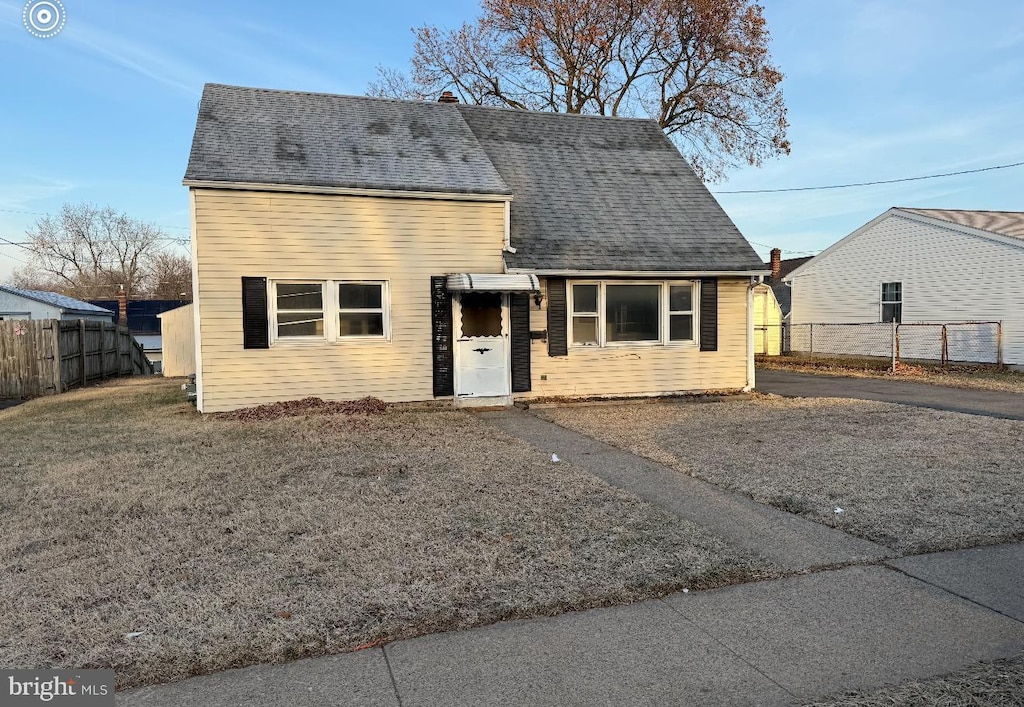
pixel 562 272
pixel 346 191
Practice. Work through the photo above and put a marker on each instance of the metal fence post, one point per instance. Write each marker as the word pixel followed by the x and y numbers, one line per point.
pixel 945 347
pixel 999 343
pixel 812 340
pixel 895 346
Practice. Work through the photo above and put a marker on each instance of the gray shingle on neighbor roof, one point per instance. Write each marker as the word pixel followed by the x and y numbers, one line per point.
pixel 53 299
pixel 260 136
pixel 1006 223
pixel 596 193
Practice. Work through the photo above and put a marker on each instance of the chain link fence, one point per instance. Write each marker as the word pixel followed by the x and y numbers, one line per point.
pixel 932 342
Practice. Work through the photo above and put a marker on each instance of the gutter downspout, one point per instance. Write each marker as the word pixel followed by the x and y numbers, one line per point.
pixel 754 282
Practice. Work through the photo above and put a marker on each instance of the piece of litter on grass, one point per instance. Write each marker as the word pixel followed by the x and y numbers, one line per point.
pixel 686 591
pixel 554 458
pixel 838 510
pixel 134 634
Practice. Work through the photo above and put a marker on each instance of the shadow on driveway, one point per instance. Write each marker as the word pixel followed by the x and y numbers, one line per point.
pixel 991 403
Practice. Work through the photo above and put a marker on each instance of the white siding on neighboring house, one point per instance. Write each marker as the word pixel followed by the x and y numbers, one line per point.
pixel 948 274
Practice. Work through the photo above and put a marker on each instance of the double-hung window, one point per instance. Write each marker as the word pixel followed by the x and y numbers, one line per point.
pixel 612 313
pixel 329 310
pixel 892 302
pixel 300 310
pixel 360 309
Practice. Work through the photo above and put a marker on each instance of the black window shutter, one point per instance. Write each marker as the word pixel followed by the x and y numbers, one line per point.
pixel 255 325
pixel 441 337
pixel 519 314
pixel 558 318
pixel 709 314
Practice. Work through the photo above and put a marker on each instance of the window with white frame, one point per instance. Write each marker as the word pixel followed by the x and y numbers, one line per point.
pixel 300 310
pixel 360 309
pixel 329 310
pixel 612 313
pixel 892 302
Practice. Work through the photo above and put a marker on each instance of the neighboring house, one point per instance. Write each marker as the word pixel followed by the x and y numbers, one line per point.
pixel 923 265
pixel 18 303
pixel 410 250
pixel 142 319
pixel 178 332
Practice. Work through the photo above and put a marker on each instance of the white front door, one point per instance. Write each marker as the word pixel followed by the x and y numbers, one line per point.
pixel 482 364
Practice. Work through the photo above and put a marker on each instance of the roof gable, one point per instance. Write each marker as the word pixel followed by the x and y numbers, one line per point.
pixel 927 216
pixel 56 300
pixel 259 136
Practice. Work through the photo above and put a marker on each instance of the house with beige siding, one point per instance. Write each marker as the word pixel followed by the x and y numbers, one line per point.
pixel 415 250
pixel 917 266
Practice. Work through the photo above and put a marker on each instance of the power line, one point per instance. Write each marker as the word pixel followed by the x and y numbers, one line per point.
pixel 868 184
pixel 785 250
pixel 39 213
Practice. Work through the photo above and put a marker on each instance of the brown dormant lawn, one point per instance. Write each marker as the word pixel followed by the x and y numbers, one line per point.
pixel 139 536
pixel 916 480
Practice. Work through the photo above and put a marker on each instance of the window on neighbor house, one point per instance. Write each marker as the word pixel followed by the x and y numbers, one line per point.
pixel 892 302
pixel 616 313
pixel 300 310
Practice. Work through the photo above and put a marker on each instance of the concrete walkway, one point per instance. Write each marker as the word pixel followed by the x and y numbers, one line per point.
pixel 991 403
pixel 789 541
pixel 769 643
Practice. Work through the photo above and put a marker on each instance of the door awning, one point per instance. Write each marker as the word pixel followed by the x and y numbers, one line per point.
pixel 492 282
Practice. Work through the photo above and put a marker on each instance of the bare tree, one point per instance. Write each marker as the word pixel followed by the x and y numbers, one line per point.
pixel 89 252
pixel 170 277
pixel 701 68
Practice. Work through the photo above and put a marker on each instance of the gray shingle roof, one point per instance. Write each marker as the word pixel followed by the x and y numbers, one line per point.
pixel 596 193
pixel 53 299
pixel 1005 223
pixel 589 193
pixel 261 136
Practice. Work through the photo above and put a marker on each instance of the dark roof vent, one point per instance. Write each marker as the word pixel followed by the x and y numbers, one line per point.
pixel 448 97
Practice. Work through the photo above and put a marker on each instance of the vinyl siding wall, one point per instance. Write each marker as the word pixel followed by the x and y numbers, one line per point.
pixel 767 322
pixel 947 276
pixel 177 330
pixel 298 236
pixel 646 370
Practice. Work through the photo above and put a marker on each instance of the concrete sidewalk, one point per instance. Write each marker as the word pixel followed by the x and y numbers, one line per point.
pixel 769 643
pixel 992 403
pixel 787 540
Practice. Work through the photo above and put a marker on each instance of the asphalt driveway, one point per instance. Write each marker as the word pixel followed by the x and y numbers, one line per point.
pixel 974 402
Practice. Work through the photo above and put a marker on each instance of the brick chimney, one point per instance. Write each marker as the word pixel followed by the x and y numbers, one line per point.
pixel 776 263
pixel 448 97
pixel 122 306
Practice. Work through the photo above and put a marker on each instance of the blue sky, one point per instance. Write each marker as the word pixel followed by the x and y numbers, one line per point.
pixel 104 112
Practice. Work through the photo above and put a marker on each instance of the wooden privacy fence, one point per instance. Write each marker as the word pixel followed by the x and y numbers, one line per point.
pixel 47 356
